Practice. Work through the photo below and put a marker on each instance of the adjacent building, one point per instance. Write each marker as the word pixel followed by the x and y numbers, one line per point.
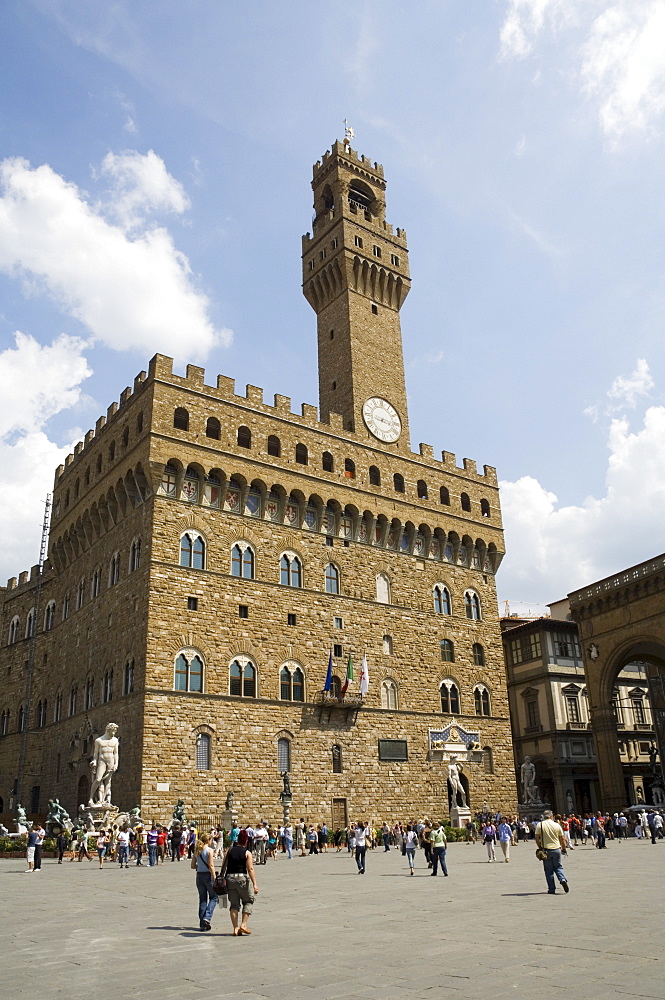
pixel 552 718
pixel 211 552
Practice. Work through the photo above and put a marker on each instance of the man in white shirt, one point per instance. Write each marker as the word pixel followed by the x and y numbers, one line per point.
pixel 362 832
pixel 123 847
pixel 260 842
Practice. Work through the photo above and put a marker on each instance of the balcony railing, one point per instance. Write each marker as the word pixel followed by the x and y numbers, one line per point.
pixel 530 730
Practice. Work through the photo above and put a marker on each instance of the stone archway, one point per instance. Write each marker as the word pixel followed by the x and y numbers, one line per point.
pixel 621 621
pixel 83 790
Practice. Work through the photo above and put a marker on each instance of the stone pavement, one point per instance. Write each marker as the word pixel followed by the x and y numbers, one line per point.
pixel 321 931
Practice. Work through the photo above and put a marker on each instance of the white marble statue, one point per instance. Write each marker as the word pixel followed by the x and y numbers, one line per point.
pixel 104 763
pixel 529 786
pixel 457 788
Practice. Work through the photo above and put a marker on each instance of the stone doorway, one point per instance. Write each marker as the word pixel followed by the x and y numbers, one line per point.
pixel 83 791
pixel 340 814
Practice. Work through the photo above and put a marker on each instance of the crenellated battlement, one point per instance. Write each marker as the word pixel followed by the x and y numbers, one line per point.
pixel 115 411
pixel 343 149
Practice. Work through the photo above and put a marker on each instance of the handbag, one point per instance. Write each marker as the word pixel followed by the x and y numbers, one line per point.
pixel 220 884
pixel 541 854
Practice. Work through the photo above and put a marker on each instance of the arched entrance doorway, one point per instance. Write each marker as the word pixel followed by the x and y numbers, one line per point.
pixel 83 790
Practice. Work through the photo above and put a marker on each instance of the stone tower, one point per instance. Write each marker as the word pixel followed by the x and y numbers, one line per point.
pixel 356 277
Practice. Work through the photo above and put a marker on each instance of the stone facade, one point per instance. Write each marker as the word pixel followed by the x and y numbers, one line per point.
pixel 621 621
pixel 197 533
pixel 551 718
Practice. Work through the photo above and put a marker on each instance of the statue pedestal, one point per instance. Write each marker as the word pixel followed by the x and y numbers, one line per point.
pixel 102 815
pixel 531 810
pixel 229 819
pixel 459 816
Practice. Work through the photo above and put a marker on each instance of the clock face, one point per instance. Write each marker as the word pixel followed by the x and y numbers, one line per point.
pixel 382 419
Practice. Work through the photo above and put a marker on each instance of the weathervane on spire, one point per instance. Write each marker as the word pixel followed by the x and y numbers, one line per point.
pixel 348 133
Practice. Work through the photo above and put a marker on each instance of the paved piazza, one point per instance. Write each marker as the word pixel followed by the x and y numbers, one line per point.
pixel 321 931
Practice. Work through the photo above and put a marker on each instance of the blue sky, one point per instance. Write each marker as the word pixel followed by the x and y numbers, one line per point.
pixel 155 162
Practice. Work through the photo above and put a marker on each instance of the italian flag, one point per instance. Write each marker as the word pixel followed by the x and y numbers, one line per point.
pixel 349 676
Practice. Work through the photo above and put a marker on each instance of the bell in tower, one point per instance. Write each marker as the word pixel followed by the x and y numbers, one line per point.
pixel 356 277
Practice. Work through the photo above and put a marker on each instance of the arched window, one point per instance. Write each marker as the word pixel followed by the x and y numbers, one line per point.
pixel 472 605
pixel 485 508
pixel 290 571
pixel 332 579
pixel 89 699
pixel 41 714
pixel 30 623
pixel 337 758
pixel 422 489
pixel 387 645
pixel 107 687
pixel 13 630
pixel 125 437
pixel 327 462
pixel 242 678
pixel 188 672
pixel 447 651
pixel 481 698
pixel 244 437
pixel 444 496
pixel 203 752
pixel 4 723
pixel 111 451
pixel 274 446
pixel 383 589
pixel 128 678
pixel 464 501
pixel 73 698
pixel 398 483
pixel 242 561
pixel 181 419
pixel 135 555
pixel 283 754
pixel 374 476
pixel 65 607
pixel 291 683
pixel 96 583
pixel 80 595
pixel 301 454
pixel 336 687
pixel 349 469
pixel 442 604
pixel 169 479
pixel 21 719
pixel 114 569
pixel 389 695
pixel 213 428
pixel 478 655
pixel 450 698
pixel 57 712
pixel 192 550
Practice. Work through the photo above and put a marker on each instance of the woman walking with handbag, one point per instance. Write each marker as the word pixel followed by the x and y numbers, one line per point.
pixel 489 839
pixel 241 883
pixel 204 863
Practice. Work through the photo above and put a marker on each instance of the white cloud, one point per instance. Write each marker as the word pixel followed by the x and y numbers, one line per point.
pixel 131 290
pixel 552 550
pixel 526 20
pixel 141 185
pixel 624 65
pixel 624 393
pixel 616 54
pixel 626 389
pixel 36 382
